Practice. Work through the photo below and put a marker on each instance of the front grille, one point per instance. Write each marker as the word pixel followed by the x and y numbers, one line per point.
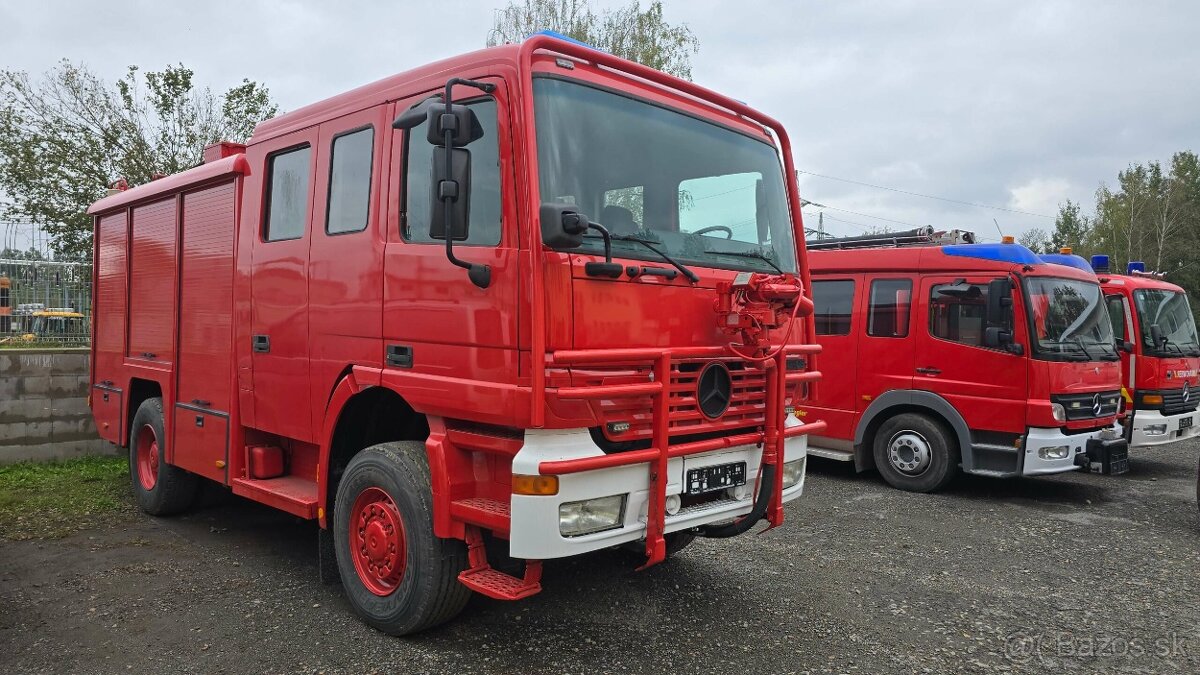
pixel 1173 403
pixel 1083 406
pixel 747 404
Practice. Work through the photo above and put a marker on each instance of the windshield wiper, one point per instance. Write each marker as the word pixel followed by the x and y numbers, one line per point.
pixel 1079 341
pixel 650 245
pixel 750 254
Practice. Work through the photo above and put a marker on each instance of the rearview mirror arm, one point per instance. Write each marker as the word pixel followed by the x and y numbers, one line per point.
pixel 480 275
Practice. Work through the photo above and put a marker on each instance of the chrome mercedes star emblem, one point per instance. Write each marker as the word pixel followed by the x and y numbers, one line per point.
pixel 1097 405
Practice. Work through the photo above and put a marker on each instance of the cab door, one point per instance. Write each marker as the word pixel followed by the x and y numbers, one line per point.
pixel 439 328
pixel 988 387
pixel 838 319
pixel 279 286
pixel 1122 327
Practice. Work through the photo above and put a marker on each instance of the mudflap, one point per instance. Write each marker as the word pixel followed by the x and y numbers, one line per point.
pixel 326 558
pixel 1109 456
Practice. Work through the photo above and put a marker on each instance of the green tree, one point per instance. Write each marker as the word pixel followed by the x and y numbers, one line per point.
pixel 1071 228
pixel 1036 239
pixel 629 31
pixel 68 135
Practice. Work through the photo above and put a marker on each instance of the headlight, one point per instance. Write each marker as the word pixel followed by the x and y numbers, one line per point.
pixel 590 515
pixel 1055 452
pixel 793 472
pixel 1155 429
pixel 1059 412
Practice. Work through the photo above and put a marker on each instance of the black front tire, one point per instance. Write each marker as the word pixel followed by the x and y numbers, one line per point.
pixel 429 592
pixel 925 434
pixel 173 490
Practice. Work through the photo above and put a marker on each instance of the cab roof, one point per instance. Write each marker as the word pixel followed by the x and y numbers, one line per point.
pixel 951 259
pixel 1138 281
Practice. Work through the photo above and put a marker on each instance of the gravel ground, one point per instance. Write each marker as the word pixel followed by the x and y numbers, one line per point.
pixel 1075 573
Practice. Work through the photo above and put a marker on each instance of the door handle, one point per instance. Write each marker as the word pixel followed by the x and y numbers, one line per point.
pixel 261 343
pixel 927 370
pixel 400 356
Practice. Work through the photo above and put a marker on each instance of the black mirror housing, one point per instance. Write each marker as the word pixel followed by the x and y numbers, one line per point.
pixel 460 121
pixel 1157 337
pixel 451 189
pixel 416 114
pixel 563 226
pixel 999 303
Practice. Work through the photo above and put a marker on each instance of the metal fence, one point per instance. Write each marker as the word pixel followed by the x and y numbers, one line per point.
pixel 45 303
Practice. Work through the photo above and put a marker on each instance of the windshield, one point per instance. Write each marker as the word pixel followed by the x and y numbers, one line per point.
pixel 1070 319
pixel 702 193
pixel 1169 310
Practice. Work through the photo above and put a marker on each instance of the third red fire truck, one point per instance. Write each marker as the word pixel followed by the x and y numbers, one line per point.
pixel 958 354
pixel 1160 355
pixel 536 300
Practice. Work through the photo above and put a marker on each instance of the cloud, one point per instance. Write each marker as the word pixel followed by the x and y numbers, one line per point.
pixel 1040 195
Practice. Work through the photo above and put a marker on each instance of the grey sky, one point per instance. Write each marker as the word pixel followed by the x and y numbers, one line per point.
pixel 1014 104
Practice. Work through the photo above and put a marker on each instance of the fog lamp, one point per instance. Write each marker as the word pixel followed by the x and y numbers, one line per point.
pixel 1154 429
pixel 618 427
pixel 590 515
pixel 793 472
pixel 1055 452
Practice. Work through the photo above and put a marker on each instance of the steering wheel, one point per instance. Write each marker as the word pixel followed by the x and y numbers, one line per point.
pixel 715 228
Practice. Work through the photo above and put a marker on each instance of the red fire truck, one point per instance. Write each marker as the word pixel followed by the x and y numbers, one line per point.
pixel 979 356
pixel 1160 354
pixel 392 312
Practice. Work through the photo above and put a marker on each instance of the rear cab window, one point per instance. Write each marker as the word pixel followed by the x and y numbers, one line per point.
pixel 834 304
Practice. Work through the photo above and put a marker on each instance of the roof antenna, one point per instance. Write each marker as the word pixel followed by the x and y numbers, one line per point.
pixel 998 228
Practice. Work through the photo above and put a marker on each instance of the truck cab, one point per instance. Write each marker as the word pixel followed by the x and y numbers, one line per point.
pixel 982 357
pixel 1160 355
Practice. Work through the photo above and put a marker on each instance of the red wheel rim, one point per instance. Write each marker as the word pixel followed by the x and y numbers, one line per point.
pixel 377 541
pixel 147 456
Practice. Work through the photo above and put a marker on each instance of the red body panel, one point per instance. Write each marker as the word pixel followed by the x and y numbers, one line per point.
pixel 152 281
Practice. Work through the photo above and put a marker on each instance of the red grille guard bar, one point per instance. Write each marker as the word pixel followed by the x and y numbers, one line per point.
pixel 771 437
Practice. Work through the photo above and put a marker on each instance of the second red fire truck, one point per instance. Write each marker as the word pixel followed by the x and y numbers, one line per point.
pixel 1160 353
pixel 535 300
pixel 956 355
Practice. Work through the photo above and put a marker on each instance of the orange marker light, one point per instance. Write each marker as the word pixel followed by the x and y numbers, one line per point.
pixel 1008 239
pixel 534 485
pixel 1065 250
pixel 1152 399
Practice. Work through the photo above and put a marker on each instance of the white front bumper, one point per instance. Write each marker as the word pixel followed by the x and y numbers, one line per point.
pixel 1145 420
pixel 1037 438
pixel 534 525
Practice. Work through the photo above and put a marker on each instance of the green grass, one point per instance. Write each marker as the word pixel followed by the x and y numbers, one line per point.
pixel 55 499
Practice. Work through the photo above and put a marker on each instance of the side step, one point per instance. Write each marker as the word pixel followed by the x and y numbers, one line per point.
pixel 489 514
pixel 296 495
pixel 493 583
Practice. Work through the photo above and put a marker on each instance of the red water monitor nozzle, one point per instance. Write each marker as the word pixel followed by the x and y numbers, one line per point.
pixel 753 304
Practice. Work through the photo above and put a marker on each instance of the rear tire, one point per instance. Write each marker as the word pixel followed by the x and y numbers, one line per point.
pixel 916 453
pixel 399 577
pixel 160 489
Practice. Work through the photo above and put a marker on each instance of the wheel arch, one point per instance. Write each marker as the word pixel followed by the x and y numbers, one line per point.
pixel 139 390
pixel 362 412
pixel 899 401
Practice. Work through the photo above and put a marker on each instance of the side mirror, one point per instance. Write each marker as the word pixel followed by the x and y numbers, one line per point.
pixel 1157 337
pixel 563 225
pixel 461 122
pixel 999 303
pixel 996 337
pixel 450 217
pixel 416 114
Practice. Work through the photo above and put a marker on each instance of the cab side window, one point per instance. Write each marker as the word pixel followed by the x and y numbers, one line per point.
pixel 287 194
pixel 888 314
pixel 834 301
pixel 1116 314
pixel 485 206
pixel 957 312
pixel 349 181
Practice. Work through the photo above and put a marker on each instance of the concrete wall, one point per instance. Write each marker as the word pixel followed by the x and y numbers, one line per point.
pixel 43 406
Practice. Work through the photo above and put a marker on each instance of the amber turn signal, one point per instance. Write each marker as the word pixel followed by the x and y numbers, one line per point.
pixel 1152 399
pixel 534 485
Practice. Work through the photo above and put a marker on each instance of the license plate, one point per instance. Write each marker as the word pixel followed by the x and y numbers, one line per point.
pixel 1118 467
pixel 1185 423
pixel 713 478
